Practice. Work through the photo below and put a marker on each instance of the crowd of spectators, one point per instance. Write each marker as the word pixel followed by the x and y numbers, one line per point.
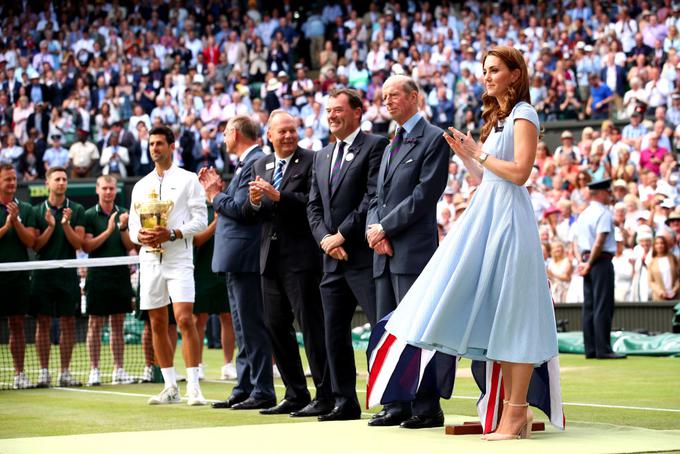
pixel 82 83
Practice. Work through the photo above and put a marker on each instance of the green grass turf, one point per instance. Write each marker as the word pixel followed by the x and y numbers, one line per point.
pixel 635 382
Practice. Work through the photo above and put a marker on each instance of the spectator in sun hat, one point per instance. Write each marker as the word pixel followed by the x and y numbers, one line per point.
pixel 551 218
pixel 620 189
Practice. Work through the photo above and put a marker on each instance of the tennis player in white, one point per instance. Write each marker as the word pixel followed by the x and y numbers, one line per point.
pixel 168 277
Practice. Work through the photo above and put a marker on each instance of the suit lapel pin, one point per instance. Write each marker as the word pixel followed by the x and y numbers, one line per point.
pixel 349 157
pixel 297 160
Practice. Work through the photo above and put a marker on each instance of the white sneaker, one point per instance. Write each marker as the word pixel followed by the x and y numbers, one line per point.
pixel 21 381
pixel 228 372
pixel 201 371
pixel 120 377
pixel 95 377
pixel 275 372
pixel 65 380
pixel 44 379
pixel 147 375
pixel 167 396
pixel 194 396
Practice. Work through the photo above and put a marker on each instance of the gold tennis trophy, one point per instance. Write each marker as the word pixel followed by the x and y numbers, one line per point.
pixel 152 213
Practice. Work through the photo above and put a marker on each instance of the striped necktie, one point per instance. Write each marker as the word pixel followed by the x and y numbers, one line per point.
pixel 278 175
pixel 337 165
pixel 396 144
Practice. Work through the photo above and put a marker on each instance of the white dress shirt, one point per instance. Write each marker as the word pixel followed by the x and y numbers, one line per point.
pixel 349 140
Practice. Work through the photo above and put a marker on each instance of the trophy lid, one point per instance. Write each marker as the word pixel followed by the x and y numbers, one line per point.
pixel 154 205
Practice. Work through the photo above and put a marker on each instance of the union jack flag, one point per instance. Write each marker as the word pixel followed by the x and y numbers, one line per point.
pixel 398 370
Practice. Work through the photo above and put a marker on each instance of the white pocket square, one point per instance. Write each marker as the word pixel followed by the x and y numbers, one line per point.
pixel 410 160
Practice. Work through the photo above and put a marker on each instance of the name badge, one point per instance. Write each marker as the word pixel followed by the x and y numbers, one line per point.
pixel 269 166
pixel 499 127
pixel 349 157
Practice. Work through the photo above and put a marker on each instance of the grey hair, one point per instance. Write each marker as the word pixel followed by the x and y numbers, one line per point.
pixel 407 84
pixel 246 126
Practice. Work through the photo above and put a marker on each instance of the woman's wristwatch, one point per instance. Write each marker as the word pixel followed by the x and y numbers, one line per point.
pixel 482 158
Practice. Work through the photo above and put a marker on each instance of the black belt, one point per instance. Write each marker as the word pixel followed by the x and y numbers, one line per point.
pixel 603 256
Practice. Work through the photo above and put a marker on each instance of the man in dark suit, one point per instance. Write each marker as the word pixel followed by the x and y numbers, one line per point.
pixel 290 264
pixel 236 252
pixel 60 89
pixel 344 180
pixel 205 151
pixel 36 91
pixel 39 120
pixel 402 225
pixel 615 77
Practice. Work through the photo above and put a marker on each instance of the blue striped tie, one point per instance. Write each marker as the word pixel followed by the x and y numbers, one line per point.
pixel 278 175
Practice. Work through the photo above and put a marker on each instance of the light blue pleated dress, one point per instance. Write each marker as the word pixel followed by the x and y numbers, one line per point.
pixel 484 294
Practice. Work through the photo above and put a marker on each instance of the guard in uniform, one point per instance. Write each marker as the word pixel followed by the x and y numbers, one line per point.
pixel 17 235
pixel 596 247
pixel 56 292
pixel 108 288
pixel 212 297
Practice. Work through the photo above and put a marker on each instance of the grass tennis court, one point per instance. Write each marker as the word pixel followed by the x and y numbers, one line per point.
pixel 639 392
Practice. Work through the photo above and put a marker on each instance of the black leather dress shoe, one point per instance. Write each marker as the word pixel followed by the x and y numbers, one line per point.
pixel 317 407
pixel 232 400
pixel 283 408
pixel 389 419
pixel 380 414
pixel 345 413
pixel 253 403
pixel 424 421
pixel 612 355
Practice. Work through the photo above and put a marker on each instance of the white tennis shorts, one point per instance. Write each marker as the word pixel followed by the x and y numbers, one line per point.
pixel 162 283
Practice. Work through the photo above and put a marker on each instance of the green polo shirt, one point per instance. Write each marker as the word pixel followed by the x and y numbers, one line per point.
pixel 95 221
pixel 211 289
pixel 203 273
pixel 58 247
pixel 11 247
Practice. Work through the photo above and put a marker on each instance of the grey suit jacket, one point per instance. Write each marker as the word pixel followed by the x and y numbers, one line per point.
pixel 406 199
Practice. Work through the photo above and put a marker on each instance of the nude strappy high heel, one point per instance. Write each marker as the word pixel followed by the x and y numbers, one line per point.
pixel 524 431
pixel 505 402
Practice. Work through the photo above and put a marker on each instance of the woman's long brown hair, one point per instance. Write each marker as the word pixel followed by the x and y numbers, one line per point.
pixel 517 91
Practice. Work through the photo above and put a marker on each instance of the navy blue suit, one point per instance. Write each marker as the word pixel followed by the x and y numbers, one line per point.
pixel 405 205
pixel 345 283
pixel 620 79
pixel 236 252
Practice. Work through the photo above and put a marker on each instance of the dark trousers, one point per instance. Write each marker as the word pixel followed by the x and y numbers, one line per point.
pixel 254 359
pixel 290 296
pixel 598 308
pixel 390 290
pixel 341 291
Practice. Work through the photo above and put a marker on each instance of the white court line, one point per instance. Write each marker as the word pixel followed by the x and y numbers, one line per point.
pixel 574 404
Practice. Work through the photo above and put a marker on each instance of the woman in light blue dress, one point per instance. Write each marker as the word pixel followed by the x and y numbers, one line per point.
pixel 484 294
